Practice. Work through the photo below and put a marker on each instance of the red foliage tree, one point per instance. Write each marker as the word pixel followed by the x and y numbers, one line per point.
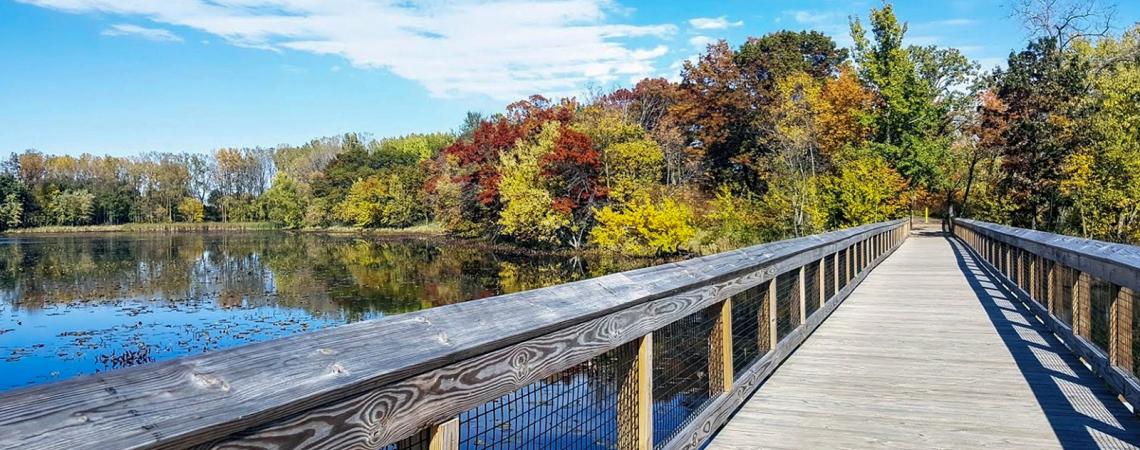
pixel 573 168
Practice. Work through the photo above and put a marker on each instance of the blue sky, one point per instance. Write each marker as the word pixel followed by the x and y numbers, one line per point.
pixel 129 76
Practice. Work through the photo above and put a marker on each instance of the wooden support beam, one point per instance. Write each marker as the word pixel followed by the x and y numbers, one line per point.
pixel 445 436
pixel 720 347
pixel 822 282
pixel 764 322
pixel 1120 339
pixel 1051 288
pixel 635 395
pixel 836 274
pixel 1031 283
pixel 801 282
pixel 1082 308
pixel 773 320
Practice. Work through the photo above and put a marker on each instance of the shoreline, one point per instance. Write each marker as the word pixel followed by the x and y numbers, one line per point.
pixel 428 231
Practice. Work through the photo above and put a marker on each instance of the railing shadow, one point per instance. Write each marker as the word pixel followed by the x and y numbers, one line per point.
pixel 1079 406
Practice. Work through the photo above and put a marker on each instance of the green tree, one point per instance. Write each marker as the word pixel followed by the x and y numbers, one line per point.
pixel 285 202
pixel 71 207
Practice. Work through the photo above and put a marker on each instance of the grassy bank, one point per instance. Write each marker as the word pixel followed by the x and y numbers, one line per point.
pixel 430 228
pixel 174 227
pixel 179 227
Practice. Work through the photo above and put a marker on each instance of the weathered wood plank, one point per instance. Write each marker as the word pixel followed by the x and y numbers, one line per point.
pixel 720 347
pixel 884 372
pixel 445 436
pixel 201 399
pixel 1118 264
pixel 635 396
pixel 721 408
pixel 1124 383
pixel 1121 330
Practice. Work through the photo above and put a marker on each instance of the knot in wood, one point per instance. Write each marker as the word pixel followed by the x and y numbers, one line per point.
pixel 210 381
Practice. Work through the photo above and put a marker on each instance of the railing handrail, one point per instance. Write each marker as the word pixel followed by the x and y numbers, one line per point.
pixel 1112 262
pixel 196 400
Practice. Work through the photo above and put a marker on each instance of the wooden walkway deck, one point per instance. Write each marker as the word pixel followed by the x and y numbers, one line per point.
pixel 929 353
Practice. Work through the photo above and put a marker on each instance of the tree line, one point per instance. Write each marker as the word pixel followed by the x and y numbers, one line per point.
pixel 785 135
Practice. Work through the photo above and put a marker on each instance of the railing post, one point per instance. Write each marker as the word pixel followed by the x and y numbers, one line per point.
pixel 835 272
pixel 635 395
pixel 801 280
pixel 1120 341
pixel 773 319
pixel 849 255
pixel 720 347
pixel 1008 259
pixel 1033 278
pixel 1082 312
pixel 1051 288
pixel 445 436
pixel 821 273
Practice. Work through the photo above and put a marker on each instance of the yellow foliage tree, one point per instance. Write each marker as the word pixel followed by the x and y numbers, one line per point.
pixel 191 210
pixel 644 228
pixel 527 214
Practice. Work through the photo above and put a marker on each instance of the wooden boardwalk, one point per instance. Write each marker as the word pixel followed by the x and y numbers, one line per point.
pixel 929 353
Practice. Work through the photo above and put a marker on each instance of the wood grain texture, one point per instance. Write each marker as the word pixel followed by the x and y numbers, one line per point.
pixel 635 396
pixel 720 347
pixel 314 380
pixel 1123 383
pixel 1118 264
pixel 1121 330
pixel 445 436
pixel 721 408
pixel 961 365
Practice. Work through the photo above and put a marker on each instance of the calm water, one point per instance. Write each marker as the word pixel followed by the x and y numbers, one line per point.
pixel 80 304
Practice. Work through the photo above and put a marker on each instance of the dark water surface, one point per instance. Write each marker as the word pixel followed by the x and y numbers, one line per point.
pixel 79 304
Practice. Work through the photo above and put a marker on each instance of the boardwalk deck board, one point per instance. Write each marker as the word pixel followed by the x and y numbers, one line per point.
pixel 929 352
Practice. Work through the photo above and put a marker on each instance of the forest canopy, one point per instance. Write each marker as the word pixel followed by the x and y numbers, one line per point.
pixel 785 135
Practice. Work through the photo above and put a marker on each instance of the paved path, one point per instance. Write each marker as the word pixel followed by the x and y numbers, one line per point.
pixel 929 353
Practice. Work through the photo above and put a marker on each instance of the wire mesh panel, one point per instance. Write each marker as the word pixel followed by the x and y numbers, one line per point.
pixel 418 441
pixel 573 409
pixel 1065 278
pixel 1101 295
pixel 811 288
pixel 680 374
pixel 787 303
pixel 1134 336
pixel 1041 281
pixel 748 343
pixel 829 277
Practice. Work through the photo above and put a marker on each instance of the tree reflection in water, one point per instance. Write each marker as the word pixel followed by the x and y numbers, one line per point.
pixel 79 304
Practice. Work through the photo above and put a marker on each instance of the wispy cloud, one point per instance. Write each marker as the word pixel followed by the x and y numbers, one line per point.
pixel 154 34
pixel 700 42
pixel 713 23
pixel 832 23
pixel 501 48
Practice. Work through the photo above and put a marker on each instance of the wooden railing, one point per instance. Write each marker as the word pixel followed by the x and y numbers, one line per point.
pixel 652 358
pixel 1083 290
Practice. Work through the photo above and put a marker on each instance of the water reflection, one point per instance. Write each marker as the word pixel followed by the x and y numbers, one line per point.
pixel 86 303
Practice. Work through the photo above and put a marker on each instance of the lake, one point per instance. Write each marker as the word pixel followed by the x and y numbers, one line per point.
pixel 86 303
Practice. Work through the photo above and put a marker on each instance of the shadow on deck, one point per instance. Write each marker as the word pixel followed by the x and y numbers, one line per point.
pixel 1081 409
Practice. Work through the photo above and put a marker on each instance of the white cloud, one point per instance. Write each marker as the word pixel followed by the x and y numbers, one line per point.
pixel 700 42
pixel 505 49
pixel 713 23
pixel 813 18
pixel 154 34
